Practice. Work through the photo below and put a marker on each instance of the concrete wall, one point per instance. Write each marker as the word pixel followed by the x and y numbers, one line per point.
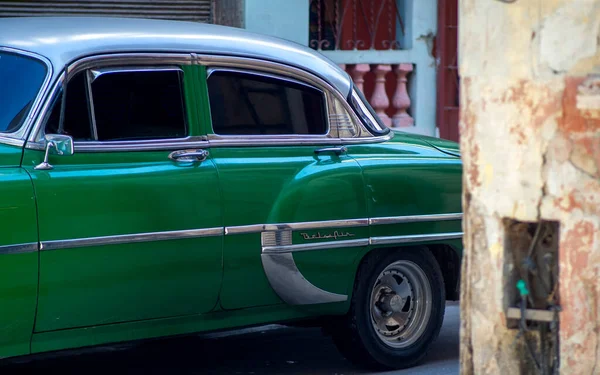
pixel 530 140
pixel 286 19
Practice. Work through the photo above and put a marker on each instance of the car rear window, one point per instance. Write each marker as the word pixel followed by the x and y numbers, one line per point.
pixel 250 104
pixel 21 78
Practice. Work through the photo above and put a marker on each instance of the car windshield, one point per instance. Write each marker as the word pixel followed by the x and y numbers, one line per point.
pixel 21 78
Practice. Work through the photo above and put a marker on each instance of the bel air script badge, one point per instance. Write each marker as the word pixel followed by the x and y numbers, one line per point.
pixel 318 236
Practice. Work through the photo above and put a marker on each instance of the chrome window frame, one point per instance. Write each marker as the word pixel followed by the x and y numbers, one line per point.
pixel 115 63
pixel 17 138
pixel 93 74
pixel 250 73
pixel 35 139
pixel 282 70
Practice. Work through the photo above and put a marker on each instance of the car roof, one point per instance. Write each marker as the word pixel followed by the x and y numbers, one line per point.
pixel 65 39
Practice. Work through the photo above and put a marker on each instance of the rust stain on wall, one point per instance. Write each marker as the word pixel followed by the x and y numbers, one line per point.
pixel 574 254
pixel 468 121
pixel 575 120
pixel 586 154
pixel 577 244
pixel 568 202
pixel 473 170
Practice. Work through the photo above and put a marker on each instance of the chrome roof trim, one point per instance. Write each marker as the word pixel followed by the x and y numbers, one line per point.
pixel 99 72
pixel 66 39
pixel 139 60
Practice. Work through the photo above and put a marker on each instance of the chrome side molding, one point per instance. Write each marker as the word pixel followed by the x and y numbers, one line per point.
pixel 387 240
pixel 258 228
pixel 414 238
pixel 255 228
pixel 19 248
pixel 315 246
pixel 414 219
pixel 130 238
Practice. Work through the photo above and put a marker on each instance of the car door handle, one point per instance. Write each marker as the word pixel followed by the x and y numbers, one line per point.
pixel 335 150
pixel 186 156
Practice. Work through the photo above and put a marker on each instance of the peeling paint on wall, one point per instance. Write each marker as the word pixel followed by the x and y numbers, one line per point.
pixel 530 141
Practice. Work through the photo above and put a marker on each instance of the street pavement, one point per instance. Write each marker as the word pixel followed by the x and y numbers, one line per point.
pixel 262 350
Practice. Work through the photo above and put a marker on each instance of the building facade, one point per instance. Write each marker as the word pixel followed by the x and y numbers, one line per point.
pixel 401 53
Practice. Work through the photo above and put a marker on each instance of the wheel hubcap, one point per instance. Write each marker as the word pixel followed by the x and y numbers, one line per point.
pixel 401 304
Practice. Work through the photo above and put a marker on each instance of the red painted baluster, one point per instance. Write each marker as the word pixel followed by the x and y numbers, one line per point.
pixel 401 100
pixel 379 99
pixel 358 75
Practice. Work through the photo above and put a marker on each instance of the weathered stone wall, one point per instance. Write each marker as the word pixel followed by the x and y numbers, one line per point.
pixel 530 140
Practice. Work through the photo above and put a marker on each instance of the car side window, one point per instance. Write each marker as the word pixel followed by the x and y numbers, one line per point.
pixel 77 122
pixel 122 105
pixel 253 104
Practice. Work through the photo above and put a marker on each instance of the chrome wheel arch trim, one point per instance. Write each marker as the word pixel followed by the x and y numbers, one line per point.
pixel 290 285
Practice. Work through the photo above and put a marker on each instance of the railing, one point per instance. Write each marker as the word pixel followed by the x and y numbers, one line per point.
pixel 356 27
pixel 385 86
pixel 355 24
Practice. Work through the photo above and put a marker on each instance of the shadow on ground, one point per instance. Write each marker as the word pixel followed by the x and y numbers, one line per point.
pixel 260 351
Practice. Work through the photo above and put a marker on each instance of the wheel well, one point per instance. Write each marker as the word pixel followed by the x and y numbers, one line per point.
pixel 449 263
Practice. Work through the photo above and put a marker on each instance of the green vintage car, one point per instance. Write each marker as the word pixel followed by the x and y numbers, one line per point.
pixel 193 177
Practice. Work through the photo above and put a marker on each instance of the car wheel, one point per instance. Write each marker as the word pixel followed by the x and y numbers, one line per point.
pixel 396 312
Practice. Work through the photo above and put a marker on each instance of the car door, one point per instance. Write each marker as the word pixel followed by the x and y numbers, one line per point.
pixel 130 224
pixel 281 166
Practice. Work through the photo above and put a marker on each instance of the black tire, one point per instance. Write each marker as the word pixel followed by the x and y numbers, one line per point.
pixel 355 334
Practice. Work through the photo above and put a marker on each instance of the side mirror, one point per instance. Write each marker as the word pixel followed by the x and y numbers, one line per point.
pixel 56 144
